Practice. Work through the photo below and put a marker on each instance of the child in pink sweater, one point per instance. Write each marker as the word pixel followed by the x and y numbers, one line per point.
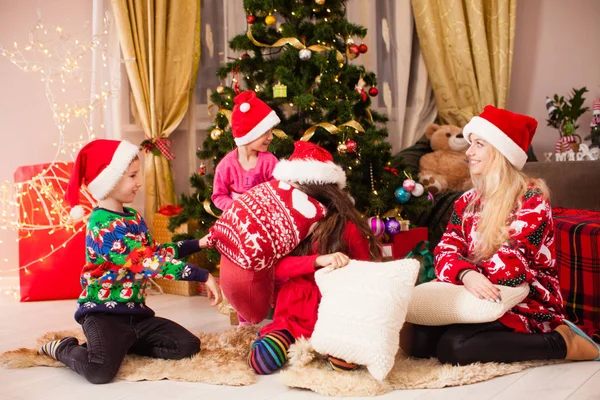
pixel 251 163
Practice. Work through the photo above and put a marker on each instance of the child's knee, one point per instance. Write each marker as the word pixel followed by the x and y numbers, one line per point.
pixel 99 374
pixel 187 349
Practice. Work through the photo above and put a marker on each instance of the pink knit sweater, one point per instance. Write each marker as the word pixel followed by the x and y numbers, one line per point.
pixel 231 180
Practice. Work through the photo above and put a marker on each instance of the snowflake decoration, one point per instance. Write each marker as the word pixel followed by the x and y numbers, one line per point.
pixel 110 304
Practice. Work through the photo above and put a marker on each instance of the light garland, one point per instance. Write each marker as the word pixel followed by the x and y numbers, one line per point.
pixel 57 57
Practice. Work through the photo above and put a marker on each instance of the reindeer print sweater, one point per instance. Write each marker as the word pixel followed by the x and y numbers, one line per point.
pixel 120 259
pixel 527 256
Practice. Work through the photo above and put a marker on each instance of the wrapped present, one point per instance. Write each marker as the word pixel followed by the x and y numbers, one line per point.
pixel 51 251
pixel 577 235
pixel 403 242
pixel 181 288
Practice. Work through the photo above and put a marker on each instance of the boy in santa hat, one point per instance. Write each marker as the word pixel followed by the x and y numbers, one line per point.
pixel 250 163
pixel 121 257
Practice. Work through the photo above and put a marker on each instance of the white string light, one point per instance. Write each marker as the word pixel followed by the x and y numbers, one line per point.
pixel 58 57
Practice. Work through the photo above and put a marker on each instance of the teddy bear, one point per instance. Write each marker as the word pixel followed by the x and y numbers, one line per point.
pixel 445 168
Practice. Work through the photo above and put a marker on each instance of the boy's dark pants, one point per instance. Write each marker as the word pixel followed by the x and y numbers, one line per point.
pixel 111 336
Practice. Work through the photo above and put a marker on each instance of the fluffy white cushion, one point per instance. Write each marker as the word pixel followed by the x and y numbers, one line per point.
pixel 362 311
pixel 442 303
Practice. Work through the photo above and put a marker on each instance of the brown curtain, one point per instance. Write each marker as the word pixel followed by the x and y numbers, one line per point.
pixel 468 48
pixel 160 42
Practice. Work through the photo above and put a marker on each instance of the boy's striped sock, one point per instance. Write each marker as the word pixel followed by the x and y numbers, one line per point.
pixel 339 365
pixel 49 348
pixel 269 353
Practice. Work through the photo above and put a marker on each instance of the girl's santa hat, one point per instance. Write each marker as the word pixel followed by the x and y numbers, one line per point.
pixel 251 118
pixel 510 133
pixel 310 164
pixel 99 165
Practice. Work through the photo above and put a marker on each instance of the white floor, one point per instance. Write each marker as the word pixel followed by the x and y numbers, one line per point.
pixel 21 323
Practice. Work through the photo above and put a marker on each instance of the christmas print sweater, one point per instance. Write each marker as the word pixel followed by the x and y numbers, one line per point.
pixel 527 256
pixel 120 259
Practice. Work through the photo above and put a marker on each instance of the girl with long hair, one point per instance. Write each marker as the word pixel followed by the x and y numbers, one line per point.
pixel 340 236
pixel 501 233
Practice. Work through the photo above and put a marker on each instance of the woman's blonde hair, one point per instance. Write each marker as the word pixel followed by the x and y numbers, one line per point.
pixel 498 192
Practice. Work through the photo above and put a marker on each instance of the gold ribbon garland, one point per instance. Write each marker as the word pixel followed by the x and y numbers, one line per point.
pixel 207 207
pixel 331 128
pixel 295 43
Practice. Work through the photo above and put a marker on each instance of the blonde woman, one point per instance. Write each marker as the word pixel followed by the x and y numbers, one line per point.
pixel 502 233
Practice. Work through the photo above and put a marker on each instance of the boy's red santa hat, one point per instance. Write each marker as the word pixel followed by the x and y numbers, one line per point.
pixel 99 165
pixel 510 133
pixel 310 164
pixel 251 118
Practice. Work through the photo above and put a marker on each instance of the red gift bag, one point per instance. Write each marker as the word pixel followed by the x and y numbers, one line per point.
pixel 404 242
pixel 50 256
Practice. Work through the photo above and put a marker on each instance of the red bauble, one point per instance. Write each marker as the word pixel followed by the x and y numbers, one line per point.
pixel 354 49
pixel 373 92
pixel 250 19
pixel 363 95
pixel 363 48
pixel 351 146
pixel 245 56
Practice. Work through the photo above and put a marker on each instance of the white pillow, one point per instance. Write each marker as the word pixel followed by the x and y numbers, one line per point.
pixel 442 303
pixel 362 311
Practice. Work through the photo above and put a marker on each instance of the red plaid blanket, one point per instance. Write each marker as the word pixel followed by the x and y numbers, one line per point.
pixel 578 258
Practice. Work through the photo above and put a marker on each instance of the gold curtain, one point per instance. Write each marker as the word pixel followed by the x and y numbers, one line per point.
pixel 468 48
pixel 160 42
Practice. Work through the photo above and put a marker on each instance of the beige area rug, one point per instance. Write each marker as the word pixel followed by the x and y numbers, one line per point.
pixel 407 373
pixel 221 361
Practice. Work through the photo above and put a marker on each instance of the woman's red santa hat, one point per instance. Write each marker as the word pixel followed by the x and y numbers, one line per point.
pixel 251 118
pixel 510 133
pixel 100 165
pixel 310 164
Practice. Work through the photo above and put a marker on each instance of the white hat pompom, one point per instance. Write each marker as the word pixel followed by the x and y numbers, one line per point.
pixel 245 107
pixel 77 212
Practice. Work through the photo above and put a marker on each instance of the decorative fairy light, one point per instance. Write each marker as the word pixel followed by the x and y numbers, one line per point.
pixel 58 57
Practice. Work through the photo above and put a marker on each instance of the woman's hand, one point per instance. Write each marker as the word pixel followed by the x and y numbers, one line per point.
pixel 333 260
pixel 213 290
pixel 480 286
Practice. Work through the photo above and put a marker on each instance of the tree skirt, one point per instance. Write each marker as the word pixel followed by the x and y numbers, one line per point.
pixel 221 361
pixel 310 372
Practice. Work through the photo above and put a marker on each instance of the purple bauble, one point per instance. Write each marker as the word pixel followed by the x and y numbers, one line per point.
pixel 376 225
pixel 392 226
pixel 409 185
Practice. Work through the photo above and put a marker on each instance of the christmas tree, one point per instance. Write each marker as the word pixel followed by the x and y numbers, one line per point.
pixel 302 58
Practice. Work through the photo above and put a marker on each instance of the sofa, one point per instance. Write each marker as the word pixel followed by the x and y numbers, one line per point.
pixel 572 184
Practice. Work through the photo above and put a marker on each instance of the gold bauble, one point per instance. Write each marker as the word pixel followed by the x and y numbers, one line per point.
pixel 270 20
pixel 320 2
pixel 342 149
pixel 216 133
pixel 220 89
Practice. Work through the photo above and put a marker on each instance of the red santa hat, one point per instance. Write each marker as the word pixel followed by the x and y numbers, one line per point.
pixel 99 165
pixel 310 164
pixel 251 118
pixel 508 132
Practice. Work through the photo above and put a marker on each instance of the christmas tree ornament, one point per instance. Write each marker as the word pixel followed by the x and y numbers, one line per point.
pixel 342 149
pixel 250 19
pixel 354 49
pixel 363 48
pixel 220 89
pixel 409 185
pixel 351 146
pixel 216 133
pixel 376 225
pixel 402 196
pixel 270 20
pixel 418 190
pixel 373 92
pixel 305 54
pixel 363 95
pixel 392 226
pixel 279 90
pixel 320 2
pixel 245 56
pixel 202 169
